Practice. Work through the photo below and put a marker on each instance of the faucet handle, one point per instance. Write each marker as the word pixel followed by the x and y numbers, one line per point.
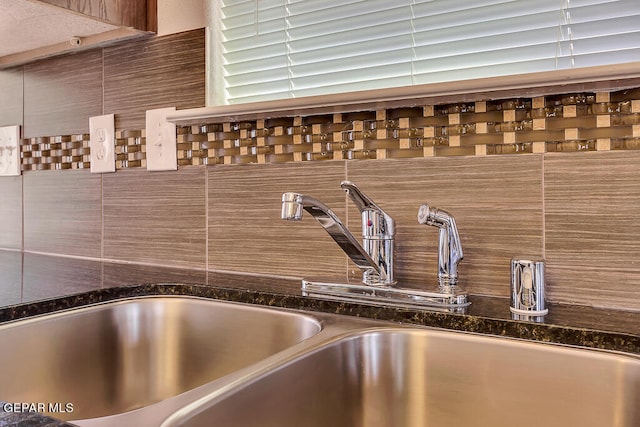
pixel 361 200
pixel 375 221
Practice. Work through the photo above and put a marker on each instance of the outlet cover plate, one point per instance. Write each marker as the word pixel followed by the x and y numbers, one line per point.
pixel 102 142
pixel 9 150
pixel 161 140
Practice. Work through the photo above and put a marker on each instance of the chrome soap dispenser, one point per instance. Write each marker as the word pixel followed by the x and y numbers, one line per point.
pixel 527 288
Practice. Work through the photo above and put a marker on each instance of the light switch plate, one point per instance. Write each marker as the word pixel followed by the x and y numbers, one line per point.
pixel 102 142
pixel 9 150
pixel 161 140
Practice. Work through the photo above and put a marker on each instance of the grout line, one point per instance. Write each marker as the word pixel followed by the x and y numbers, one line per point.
pixel 206 220
pixel 79 257
pixel 113 261
pixel 22 134
pixel 147 264
pixel 249 274
pixel 22 213
pixel 544 212
pixel 22 238
pixel 102 228
pixel 346 214
pixel 102 81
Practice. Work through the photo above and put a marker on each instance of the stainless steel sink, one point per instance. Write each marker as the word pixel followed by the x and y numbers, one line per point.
pixel 115 357
pixel 416 377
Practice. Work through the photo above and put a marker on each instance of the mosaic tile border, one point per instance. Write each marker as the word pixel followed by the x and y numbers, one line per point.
pixel 592 121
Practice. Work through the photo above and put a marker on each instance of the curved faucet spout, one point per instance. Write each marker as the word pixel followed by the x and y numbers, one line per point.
pixel 292 206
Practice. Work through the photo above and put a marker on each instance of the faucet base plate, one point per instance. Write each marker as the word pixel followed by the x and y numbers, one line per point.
pixel 385 295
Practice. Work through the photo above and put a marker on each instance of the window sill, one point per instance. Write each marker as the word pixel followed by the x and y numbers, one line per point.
pixel 592 79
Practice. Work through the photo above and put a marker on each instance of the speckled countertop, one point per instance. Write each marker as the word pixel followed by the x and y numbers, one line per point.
pixel 570 325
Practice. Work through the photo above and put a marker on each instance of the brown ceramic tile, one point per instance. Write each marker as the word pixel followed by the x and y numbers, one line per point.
pixel 61 93
pixel 50 277
pixel 152 73
pixel 245 229
pixel 496 202
pixel 11 90
pixel 11 212
pixel 10 277
pixel 115 274
pixel 62 212
pixel 155 217
pixel 592 233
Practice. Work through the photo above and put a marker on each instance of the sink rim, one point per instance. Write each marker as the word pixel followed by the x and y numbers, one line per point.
pixel 303 319
pixel 354 332
pixel 130 299
pixel 333 328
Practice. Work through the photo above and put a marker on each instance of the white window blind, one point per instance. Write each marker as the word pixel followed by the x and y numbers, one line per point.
pixel 276 49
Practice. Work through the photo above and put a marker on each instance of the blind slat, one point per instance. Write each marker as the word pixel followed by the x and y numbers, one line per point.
pixel 274 49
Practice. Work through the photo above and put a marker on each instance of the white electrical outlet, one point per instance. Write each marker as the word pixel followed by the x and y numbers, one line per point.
pixel 161 140
pixel 103 141
pixel 9 150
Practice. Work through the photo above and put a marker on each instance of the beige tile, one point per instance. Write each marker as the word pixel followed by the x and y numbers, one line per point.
pixel 11 212
pixel 12 90
pixel 10 277
pixel 496 202
pixel 154 72
pixel 62 212
pixel 245 229
pixel 61 93
pixel 592 232
pixel 51 277
pixel 117 274
pixel 155 217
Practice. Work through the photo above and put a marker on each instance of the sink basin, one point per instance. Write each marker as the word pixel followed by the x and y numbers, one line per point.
pixel 115 357
pixel 414 377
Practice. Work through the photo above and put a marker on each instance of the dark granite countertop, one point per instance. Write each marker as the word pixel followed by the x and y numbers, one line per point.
pixel 27 419
pixel 565 324
pixel 570 325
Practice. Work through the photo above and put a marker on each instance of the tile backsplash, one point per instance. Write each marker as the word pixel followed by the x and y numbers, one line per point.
pixel 591 230
pixel 574 210
pixel 11 212
pixel 590 121
pixel 62 213
pixel 155 217
pixel 495 201
pixel 553 177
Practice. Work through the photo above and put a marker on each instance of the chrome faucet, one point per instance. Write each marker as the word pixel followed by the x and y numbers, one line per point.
pixel 375 257
pixel 449 247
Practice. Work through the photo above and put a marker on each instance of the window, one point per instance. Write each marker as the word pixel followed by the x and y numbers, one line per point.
pixel 278 49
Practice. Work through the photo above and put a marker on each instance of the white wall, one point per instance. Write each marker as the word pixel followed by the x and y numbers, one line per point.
pixel 175 16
